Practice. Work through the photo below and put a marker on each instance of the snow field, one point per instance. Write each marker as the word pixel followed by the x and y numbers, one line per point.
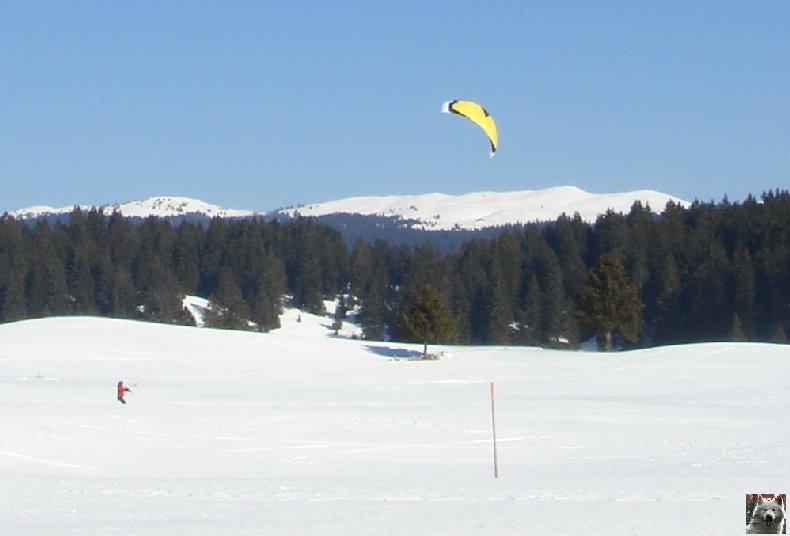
pixel 298 432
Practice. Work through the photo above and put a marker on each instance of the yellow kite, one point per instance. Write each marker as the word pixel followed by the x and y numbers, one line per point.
pixel 477 114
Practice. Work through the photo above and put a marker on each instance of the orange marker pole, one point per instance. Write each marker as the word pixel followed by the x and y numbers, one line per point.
pixel 493 430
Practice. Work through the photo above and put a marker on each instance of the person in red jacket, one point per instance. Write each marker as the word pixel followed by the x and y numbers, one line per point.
pixel 121 390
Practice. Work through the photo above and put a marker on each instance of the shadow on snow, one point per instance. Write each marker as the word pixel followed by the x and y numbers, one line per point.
pixel 394 353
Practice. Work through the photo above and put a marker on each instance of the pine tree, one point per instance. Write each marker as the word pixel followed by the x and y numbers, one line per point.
pixel 80 281
pixel 475 293
pixel 371 282
pixel 529 329
pixel 46 286
pixel 779 335
pixel 124 240
pixel 662 311
pixel 303 266
pixel 267 304
pixel 609 304
pixel 186 256
pixel 499 328
pixel 611 234
pixel 427 319
pixel 562 238
pixel 743 286
pixel 159 298
pixel 372 315
pixel 124 294
pixel 212 253
pixel 707 292
pixel 227 307
pixel 640 223
pixel 736 329
pixel 12 296
pixel 558 326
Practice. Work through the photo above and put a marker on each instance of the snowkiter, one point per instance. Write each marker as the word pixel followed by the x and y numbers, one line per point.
pixel 121 390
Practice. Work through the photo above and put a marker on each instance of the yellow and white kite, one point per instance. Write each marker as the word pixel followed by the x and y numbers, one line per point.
pixel 478 115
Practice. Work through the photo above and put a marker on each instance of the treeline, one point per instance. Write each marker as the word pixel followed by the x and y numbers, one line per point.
pixel 707 272
pixel 94 264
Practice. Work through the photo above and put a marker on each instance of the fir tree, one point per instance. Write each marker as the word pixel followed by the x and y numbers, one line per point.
pixel 372 316
pixel 46 287
pixel 558 326
pixel 608 303
pixel 427 319
pixel 736 329
pixel 212 255
pixel 12 296
pixel 159 298
pixel 227 309
pixel 743 286
pixel 186 256
pixel 267 305
pixel 779 335
pixel 662 291
pixel 563 239
pixel 529 329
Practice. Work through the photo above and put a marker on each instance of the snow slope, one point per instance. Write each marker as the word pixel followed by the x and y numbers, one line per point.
pixel 486 209
pixel 298 432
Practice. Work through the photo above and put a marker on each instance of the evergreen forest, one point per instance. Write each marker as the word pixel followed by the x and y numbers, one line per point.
pixel 708 272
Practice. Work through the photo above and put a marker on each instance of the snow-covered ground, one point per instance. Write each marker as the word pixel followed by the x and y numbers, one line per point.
pixel 298 432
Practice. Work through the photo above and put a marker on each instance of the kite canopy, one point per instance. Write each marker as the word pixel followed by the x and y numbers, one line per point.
pixel 478 115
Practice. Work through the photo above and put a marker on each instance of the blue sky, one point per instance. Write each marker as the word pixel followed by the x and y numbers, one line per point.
pixel 260 105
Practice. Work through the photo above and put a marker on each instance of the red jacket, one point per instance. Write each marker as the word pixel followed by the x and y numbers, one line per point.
pixel 122 390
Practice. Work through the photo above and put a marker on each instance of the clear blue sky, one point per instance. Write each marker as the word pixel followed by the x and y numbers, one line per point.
pixel 259 105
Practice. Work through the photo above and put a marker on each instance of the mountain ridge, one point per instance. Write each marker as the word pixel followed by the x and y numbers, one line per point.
pixel 160 206
pixel 430 212
pixel 478 210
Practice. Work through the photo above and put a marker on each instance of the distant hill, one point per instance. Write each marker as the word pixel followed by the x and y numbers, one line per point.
pixel 446 221
pixel 479 210
pixel 163 207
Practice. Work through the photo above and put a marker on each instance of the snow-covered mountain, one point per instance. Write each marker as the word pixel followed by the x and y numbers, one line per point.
pixel 434 211
pixel 478 210
pixel 163 207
